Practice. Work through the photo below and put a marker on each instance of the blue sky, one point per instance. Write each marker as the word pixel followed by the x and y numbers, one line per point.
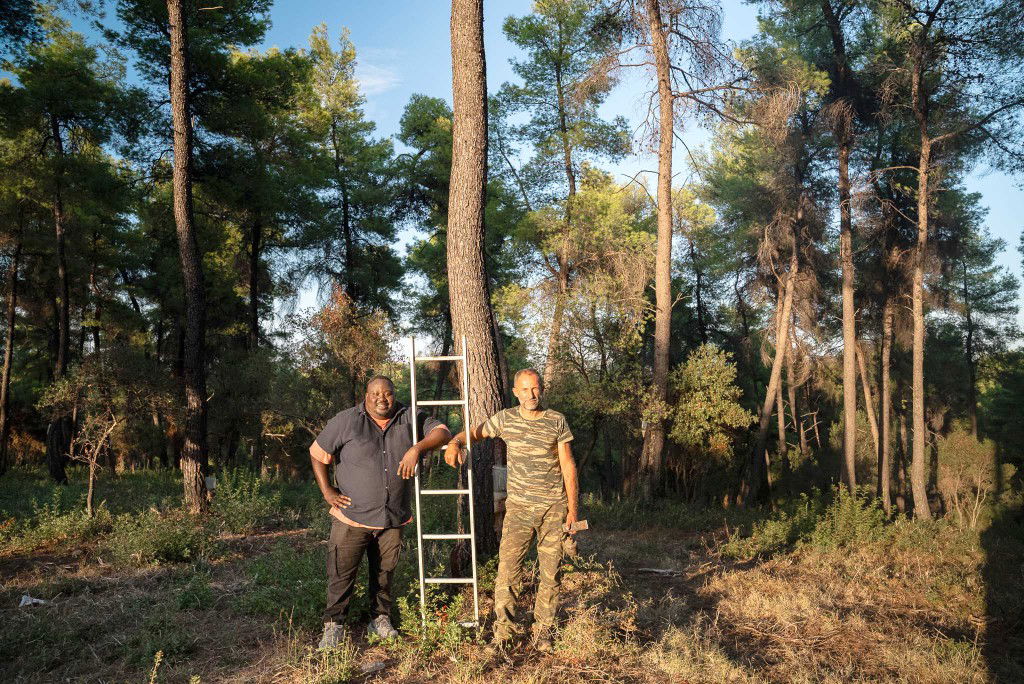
pixel 402 48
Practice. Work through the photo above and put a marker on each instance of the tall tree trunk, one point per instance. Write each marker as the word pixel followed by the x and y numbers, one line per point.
pixel 755 480
pixel 5 380
pixel 58 433
pixel 467 277
pixel 869 405
pixel 849 320
pixel 842 88
pixel 884 463
pixel 654 435
pixel 918 476
pixel 194 449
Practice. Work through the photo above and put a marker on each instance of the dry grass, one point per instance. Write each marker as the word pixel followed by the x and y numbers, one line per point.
pixel 910 608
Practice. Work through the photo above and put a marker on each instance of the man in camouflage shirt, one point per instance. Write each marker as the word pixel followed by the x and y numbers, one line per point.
pixel 542 501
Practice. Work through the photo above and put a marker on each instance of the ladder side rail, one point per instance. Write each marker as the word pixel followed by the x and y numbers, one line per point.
pixel 468 426
pixel 416 484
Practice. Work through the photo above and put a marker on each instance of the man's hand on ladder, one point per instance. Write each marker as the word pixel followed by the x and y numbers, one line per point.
pixel 454 453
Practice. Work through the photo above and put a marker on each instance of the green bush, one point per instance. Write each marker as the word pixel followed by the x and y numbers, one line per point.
pixel 154 537
pixel 849 520
pixel 243 503
pixel 846 520
pixel 796 520
pixel 52 522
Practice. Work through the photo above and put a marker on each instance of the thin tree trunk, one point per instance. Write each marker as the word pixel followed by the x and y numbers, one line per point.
pixel 58 433
pixel 89 511
pixel 5 380
pixel 654 436
pixel 869 405
pixel 698 294
pixel 884 464
pixel 755 481
pixel 780 414
pixel 467 277
pixel 849 321
pixel 798 424
pixel 558 313
pixel 255 245
pixel 918 476
pixel 194 449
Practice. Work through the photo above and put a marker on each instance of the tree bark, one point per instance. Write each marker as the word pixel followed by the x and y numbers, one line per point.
pixel 798 424
pixel 654 436
pixel 58 433
pixel 849 320
pixel 843 88
pixel 468 286
pixel 5 380
pixel 918 477
pixel 884 463
pixel 869 405
pixel 755 481
pixel 194 449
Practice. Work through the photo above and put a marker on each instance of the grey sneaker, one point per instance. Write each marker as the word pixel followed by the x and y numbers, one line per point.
pixel 334 635
pixel 380 626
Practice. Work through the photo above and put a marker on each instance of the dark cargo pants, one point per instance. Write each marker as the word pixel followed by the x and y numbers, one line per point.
pixel 344 553
pixel 522 522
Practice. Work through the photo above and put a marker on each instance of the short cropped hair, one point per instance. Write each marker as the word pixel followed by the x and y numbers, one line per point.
pixel 531 371
pixel 380 378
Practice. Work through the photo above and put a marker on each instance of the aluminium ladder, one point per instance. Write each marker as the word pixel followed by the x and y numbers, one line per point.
pixel 468 490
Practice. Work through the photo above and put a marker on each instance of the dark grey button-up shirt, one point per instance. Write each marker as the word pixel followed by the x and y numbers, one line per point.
pixel 366 462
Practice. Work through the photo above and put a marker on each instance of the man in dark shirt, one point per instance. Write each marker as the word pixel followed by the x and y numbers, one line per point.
pixel 371 448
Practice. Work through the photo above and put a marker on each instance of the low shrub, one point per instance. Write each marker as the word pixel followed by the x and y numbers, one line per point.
pixel 243 503
pixel 290 582
pixel 845 520
pixel 55 521
pixel 154 537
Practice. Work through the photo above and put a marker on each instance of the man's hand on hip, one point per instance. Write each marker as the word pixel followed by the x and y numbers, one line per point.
pixel 337 499
pixel 407 468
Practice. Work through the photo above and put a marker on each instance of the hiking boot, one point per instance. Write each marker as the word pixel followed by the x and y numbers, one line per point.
pixel 380 627
pixel 334 635
pixel 498 648
pixel 542 642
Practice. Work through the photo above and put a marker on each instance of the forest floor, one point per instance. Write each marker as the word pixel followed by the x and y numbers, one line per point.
pixel 819 591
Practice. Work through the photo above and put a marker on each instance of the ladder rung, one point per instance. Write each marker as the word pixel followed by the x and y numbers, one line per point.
pixel 471 623
pixel 448 580
pixel 444 491
pixel 447 536
pixel 439 358
pixel 441 402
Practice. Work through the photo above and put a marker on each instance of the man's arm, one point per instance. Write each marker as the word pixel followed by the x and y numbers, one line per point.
pixel 433 440
pixel 320 460
pixel 453 452
pixel 572 485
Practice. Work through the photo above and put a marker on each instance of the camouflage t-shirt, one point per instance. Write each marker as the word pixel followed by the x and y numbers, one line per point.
pixel 534 475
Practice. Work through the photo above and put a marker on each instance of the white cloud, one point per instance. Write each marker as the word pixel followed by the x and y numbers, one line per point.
pixel 374 80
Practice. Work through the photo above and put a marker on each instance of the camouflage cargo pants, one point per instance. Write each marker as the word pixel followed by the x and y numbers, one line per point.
pixel 522 522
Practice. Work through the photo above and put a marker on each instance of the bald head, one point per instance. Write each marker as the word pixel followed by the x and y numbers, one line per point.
pixel 380 397
pixel 528 388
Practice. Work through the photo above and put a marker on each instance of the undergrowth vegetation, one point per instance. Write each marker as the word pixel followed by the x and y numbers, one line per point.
pixel 823 587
